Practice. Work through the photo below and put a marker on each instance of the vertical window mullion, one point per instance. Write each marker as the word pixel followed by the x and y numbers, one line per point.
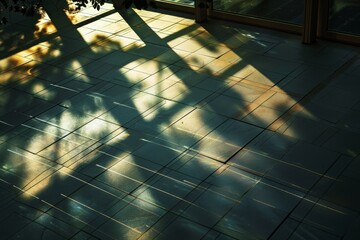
pixel 310 21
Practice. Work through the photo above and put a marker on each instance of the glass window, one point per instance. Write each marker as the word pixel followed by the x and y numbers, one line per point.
pixel 344 16
pixel 290 11
pixel 181 2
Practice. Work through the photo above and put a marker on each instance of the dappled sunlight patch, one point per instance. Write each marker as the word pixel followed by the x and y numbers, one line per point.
pixel 47 50
pixel 191 128
pixel 281 101
pixel 127 173
pixel 41 48
pixel 262 116
pixel 32 68
pixel 131 34
pixel 159 114
pixel 134 45
pixel 194 61
pixel 75 64
pixel 218 67
pixel 70 121
pixel 38 188
pixel 157 24
pixel 122 137
pixel 303 112
pixel 189 30
pixel 116 28
pixel 12 62
pixel 97 129
pixel 114 17
pixel 37 87
pixel 95 37
pixel 44 28
pixel 231 57
pixel 14 38
pixel 207 38
pixel 64 172
pixel 212 50
pixel 41 140
pixel 177 91
pixel 144 102
pixel 12 77
pixel 50 55
pixel 123 42
pixel 150 66
pixel 134 77
pixel 267 78
pixel 144 14
pixel 157 82
pixel 61 148
pixel 247 91
pixel 31 171
pixel 245 71
pixel 227 139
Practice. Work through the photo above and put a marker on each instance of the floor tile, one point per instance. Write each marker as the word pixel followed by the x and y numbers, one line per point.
pixel 244 91
pixel 16 223
pixel 226 140
pixel 128 174
pixel 311 157
pixel 353 232
pixel 54 225
pixel 344 192
pixel 304 128
pixel 225 180
pixel 262 116
pixel 209 208
pixel 272 144
pixel 158 152
pixel 167 189
pixel 285 230
pixel 236 108
pixel 160 117
pixel 307 80
pixel 290 175
pixel 250 220
pixel 36 231
pixel 343 141
pixel 306 231
pixel 252 161
pixel 195 165
pixel 191 128
pixel 182 228
pixel 330 218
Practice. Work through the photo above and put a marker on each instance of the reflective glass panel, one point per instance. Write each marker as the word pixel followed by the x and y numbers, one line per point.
pixel 344 16
pixel 181 2
pixel 290 11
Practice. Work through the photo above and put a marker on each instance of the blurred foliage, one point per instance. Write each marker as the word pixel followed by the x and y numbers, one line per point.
pixel 25 7
pixel 30 7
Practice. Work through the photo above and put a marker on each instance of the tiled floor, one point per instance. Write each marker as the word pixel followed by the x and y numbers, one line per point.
pixel 145 125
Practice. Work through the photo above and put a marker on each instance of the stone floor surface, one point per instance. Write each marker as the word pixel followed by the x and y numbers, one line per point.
pixel 146 125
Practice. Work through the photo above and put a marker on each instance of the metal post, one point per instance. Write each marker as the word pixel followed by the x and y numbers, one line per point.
pixel 310 21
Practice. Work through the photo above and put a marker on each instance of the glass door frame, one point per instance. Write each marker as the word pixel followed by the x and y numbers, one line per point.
pixel 323 31
pixel 316 19
pixel 248 20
